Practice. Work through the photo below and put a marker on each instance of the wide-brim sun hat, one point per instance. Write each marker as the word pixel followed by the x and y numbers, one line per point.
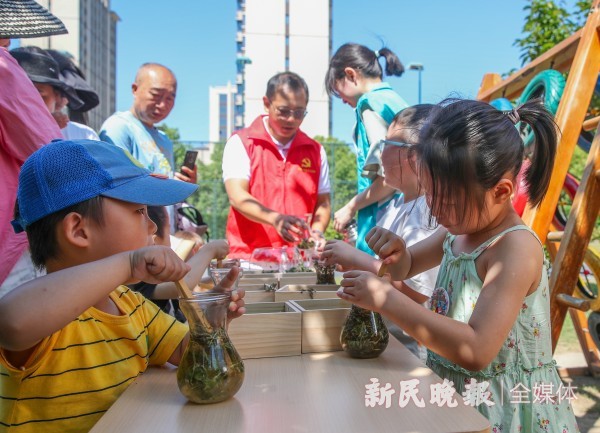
pixel 27 19
pixel 42 68
pixel 64 173
pixel 72 76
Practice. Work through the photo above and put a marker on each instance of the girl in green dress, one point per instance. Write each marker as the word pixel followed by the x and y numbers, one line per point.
pixel 488 331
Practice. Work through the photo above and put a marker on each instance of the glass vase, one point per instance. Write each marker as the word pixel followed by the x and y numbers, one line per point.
pixel 325 273
pixel 211 370
pixel 364 334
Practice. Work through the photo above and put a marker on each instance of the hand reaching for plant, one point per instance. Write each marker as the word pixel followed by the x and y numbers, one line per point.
pixel 365 290
pixel 289 227
pixel 386 244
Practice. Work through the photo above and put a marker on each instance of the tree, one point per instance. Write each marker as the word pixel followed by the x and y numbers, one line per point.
pixel 178 148
pixel 342 173
pixel 211 198
pixel 548 23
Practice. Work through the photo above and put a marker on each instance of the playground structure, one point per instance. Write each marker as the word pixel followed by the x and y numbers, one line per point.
pixel 579 56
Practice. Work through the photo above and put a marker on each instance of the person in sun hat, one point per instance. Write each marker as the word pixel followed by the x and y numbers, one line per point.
pixel 74 122
pixel 83 204
pixel 27 19
pixel 25 125
pixel 44 72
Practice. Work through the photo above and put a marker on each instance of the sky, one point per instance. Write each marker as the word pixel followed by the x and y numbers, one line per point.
pixel 456 41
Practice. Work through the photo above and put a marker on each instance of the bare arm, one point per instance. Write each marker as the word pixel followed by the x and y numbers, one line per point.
pixel 419 298
pixel 289 227
pixel 43 306
pixel 376 192
pixel 340 253
pixel 513 273
pixel 199 263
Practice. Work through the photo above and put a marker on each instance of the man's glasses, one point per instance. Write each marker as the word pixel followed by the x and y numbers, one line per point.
pixel 383 143
pixel 285 113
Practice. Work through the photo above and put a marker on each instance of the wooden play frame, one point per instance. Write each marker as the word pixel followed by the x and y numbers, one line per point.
pixel 579 55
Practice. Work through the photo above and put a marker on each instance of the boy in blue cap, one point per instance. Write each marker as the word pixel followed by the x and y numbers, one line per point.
pixel 72 341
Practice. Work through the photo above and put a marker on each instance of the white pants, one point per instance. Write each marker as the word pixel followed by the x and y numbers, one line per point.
pixel 21 272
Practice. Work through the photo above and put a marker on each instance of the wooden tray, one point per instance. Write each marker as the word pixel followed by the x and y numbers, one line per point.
pixel 322 322
pixel 306 291
pixel 267 329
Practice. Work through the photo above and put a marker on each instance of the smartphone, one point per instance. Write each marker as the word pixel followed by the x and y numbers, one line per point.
pixel 190 159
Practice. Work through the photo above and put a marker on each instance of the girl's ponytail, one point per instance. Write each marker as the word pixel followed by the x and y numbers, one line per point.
pixel 393 66
pixel 545 131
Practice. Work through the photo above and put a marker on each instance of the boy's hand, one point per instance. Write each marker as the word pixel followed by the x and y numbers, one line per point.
pixel 386 244
pixel 156 264
pixel 365 290
pixel 219 248
pixel 339 253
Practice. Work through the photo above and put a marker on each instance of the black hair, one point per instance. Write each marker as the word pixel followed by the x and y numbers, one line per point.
pixel 42 233
pixel 466 146
pixel 364 60
pixel 412 117
pixel 291 80
pixel 159 216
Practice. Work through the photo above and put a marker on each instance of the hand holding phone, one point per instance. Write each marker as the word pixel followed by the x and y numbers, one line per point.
pixel 190 159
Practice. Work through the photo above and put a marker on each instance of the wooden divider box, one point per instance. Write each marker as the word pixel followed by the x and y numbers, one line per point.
pixel 306 291
pixel 267 329
pixel 322 323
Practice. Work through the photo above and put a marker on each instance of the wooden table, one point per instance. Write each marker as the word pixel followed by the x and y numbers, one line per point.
pixel 323 392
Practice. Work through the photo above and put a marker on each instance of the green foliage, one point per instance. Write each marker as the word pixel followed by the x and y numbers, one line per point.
pixel 342 172
pixel 211 198
pixel 547 23
pixel 178 148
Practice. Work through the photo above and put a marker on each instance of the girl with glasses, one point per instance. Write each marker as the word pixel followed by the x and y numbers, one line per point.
pixel 407 214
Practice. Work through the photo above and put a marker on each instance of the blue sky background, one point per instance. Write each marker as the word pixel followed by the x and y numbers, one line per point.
pixel 457 42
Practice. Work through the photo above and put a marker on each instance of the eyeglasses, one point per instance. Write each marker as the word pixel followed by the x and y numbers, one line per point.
pixel 383 143
pixel 285 113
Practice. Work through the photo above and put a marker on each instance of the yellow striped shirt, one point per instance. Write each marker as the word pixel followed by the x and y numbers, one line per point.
pixel 78 372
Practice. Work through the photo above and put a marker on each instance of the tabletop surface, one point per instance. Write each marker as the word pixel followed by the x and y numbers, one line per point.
pixel 322 392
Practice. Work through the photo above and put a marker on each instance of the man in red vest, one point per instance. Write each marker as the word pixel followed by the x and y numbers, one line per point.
pixel 276 176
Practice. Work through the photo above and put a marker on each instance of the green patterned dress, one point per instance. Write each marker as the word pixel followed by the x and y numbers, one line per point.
pixel 522 381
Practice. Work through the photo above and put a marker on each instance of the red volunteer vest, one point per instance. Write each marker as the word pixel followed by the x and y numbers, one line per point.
pixel 289 187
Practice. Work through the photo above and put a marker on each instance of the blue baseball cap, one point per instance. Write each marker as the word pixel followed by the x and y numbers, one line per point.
pixel 64 173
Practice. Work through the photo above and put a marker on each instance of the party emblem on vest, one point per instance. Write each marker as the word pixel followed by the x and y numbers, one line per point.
pixel 306 165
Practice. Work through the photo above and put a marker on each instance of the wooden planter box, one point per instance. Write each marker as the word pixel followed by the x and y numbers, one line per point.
pixel 260 295
pixel 322 323
pixel 306 291
pixel 299 278
pixel 267 329
pixel 289 278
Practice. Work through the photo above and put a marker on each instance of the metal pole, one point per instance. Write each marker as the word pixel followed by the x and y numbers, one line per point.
pixel 420 71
